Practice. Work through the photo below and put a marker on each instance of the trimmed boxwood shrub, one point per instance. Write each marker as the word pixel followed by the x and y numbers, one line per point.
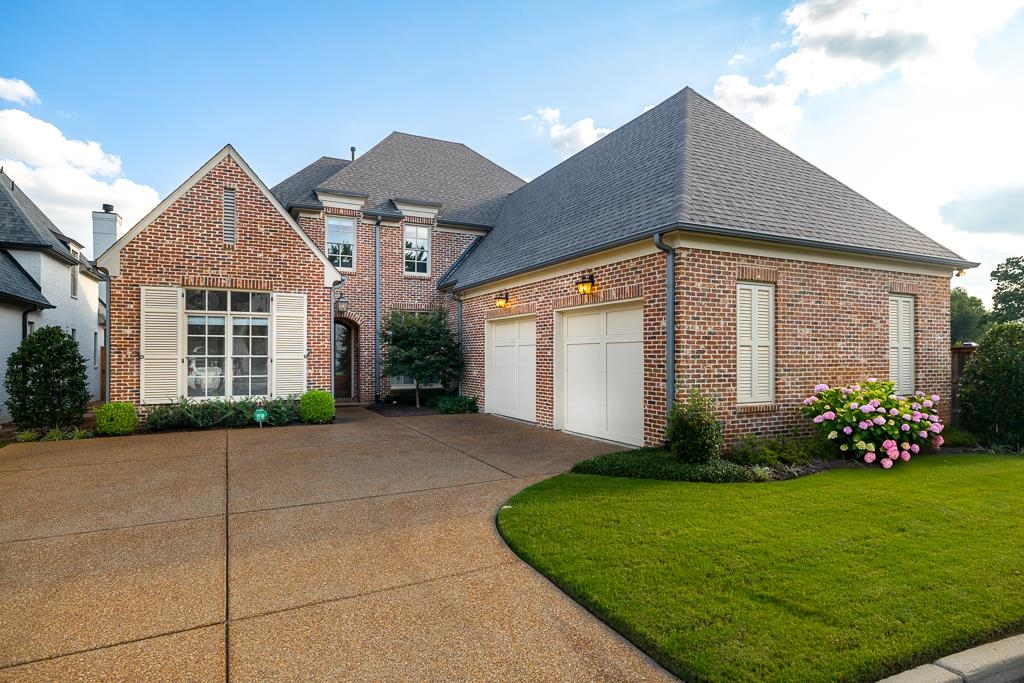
pixel 116 419
pixel 654 463
pixel 448 405
pixel 46 381
pixel 217 414
pixel 316 407
pixel 992 386
pixel 694 433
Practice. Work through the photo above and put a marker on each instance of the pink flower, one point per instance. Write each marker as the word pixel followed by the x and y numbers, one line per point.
pixel 914 448
pixel 927 404
pixel 915 406
pixel 935 397
pixel 904 456
pixel 875 402
pixel 869 458
pixel 829 415
pixel 938 441
pixel 888 443
pixel 917 416
pixel 847 430
pixel 821 387
pixel 886 463
pixel 923 434
pixel 855 387
pixel 893 452
pixel 880 409
pixel 904 445
pixel 872 379
pixel 879 420
pixel 894 412
pixel 810 399
pixel 867 408
pixel 818 419
pixel 936 428
pixel 863 425
pixel 854 405
pixel 905 427
pixel 906 416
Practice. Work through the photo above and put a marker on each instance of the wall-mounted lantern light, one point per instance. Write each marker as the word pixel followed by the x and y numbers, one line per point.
pixel 341 305
pixel 585 283
pixel 501 299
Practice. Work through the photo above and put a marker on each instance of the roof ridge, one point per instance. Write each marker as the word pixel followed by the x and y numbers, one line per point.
pixel 684 153
pixel 8 189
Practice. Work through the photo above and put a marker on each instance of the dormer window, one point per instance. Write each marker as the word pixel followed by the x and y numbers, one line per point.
pixel 417 249
pixel 341 242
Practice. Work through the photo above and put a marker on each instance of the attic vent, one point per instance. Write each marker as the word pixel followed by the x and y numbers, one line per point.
pixel 230 216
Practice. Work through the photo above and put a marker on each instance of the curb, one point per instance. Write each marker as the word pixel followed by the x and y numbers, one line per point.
pixel 998 662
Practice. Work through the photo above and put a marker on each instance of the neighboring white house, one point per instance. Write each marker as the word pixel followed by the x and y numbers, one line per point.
pixel 45 280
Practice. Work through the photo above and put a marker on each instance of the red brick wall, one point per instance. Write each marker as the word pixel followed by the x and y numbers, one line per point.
pixel 831 326
pixel 398 290
pixel 185 246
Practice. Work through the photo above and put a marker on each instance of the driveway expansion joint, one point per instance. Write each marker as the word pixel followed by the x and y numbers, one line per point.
pixel 456 448
pixel 125 527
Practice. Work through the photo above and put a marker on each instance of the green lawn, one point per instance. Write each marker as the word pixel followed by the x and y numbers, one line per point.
pixel 844 575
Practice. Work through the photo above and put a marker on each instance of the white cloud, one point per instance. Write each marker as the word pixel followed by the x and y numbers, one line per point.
pixel 737 59
pixel 566 139
pixel 17 90
pixel 68 179
pixel 922 109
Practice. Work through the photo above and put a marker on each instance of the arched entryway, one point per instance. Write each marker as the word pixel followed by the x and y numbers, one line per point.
pixel 345 333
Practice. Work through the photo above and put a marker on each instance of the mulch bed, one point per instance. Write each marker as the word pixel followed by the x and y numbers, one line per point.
pixel 399 410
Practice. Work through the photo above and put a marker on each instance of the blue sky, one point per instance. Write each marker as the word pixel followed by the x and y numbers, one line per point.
pixel 852 86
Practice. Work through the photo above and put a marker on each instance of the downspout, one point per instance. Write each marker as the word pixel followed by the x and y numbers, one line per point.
pixel 458 325
pixel 670 321
pixel 376 310
pixel 106 335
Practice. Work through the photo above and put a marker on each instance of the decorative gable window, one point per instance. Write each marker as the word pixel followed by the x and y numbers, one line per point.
pixel 755 343
pixel 417 248
pixel 230 216
pixel 901 343
pixel 341 241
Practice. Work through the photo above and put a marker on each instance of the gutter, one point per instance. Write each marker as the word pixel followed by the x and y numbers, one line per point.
pixel 376 309
pixel 670 321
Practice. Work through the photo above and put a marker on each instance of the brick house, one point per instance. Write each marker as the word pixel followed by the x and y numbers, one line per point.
pixel 768 275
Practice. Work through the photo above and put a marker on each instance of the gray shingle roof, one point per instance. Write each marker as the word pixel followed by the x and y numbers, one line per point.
pixel 297 189
pixel 24 225
pixel 469 187
pixel 17 285
pixel 685 163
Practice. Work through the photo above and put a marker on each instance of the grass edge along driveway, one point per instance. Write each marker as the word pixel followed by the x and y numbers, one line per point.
pixel 846 575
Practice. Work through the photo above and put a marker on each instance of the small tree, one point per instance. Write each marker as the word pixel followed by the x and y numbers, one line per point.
pixel 1008 299
pixel 46 382
pixel 421 346
pixel 992 386
pixel 968 318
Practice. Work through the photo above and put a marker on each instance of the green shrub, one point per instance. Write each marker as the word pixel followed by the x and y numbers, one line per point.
pixel 767 451
pixel 316 407
pixel 654 463
pixel 761 473
pixel 282 411
pixel 78 433
pixel 26 436
pixel 45 381
pixel 448 405
pixel 220 414
pixel 407 397
pixel 694 432
pixel 116 419
pixel 992 386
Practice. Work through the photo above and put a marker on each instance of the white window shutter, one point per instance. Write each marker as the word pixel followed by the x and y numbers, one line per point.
pixel 901 343
pixel 160 345
pixel 755 343
pixel 289 344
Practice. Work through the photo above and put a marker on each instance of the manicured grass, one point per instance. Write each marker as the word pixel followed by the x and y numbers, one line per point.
pixel 846 575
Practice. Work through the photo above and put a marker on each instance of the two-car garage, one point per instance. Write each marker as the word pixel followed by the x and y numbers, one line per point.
pixel 597 363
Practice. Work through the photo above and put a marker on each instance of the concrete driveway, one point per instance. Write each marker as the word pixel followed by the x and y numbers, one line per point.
pixel 362 550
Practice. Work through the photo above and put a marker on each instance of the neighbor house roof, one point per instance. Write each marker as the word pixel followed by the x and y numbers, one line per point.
pixel 469 188
pixel 17 285
pixel 23 225
pixel 685 164
pixel 297 191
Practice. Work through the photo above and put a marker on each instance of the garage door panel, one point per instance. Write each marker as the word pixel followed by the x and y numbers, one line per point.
pixel 512 374
pixel 602 356
pixel 526 331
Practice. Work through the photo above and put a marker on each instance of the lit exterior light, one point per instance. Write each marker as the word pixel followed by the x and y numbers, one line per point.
pixel 501 299
pixel 585 285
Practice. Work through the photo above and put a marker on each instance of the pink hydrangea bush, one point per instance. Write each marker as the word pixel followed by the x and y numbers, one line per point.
pixel 871 423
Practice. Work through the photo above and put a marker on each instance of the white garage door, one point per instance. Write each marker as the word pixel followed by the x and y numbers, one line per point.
pixel 603 374
pixel 512 369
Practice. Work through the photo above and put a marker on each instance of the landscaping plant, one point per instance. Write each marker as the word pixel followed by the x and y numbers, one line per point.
pixel 448 405
pixel 872 423
pixel 116 419
pixel 992 386
pixel 46 381
pixel 421 346
pixel 316 407
pixel 694 432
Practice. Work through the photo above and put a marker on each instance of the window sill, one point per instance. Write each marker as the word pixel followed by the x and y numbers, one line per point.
pixel 417 276
pixel 746 408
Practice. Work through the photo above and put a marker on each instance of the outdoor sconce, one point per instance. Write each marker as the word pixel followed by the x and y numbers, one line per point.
pixel 341 305
pixel 585 285
pixel 501 299
pixel 961 272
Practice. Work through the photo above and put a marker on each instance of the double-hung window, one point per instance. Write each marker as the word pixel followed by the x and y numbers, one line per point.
pixel 755 343
pixel 228 343
pixel 417 249
pixel 341 241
